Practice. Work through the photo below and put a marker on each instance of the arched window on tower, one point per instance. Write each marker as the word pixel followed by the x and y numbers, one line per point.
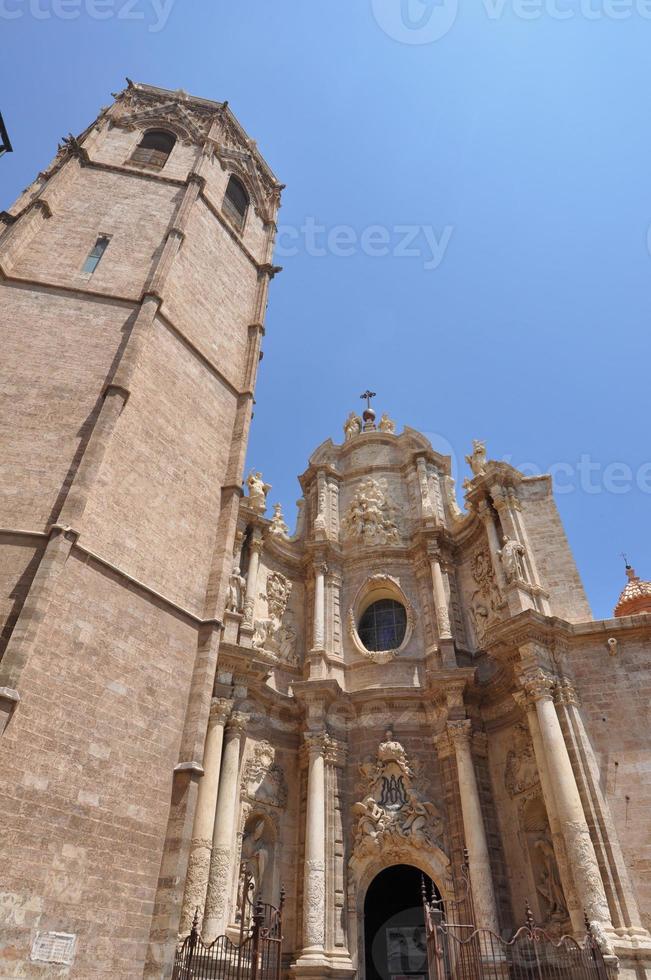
pixel 236 202
pixel 154 149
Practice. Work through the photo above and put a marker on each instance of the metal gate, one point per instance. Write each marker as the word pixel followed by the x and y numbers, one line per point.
pixel 456 950
pixel 257 955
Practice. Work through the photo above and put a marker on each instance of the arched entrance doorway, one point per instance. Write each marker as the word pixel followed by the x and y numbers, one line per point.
pixel 394 926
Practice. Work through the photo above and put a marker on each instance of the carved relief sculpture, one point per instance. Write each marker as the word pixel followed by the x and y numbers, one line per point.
pixel 521 770
pixel 263 780
pixel 486 603
pixel 371 517
pixel 391 816
pixel 270 633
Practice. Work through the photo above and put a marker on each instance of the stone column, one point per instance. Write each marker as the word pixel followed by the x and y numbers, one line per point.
pixel 481 879
pixel 196 882
pixel 255 547
pixel 573 906
pixel 486 517
pixel 223 851
pixel 619 890
pixel 315 849
pixel 578 843
pixel 320 570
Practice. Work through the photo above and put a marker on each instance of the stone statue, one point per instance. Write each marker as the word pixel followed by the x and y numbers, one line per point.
pixel 387 424
pixel 269 633
pixel 521 770
pixel 236 591
pixel 352 426
pixel 278 526
pixel 512 558
pixel 547 881
pixel 256 854
pixel 477 461
pixel 258 491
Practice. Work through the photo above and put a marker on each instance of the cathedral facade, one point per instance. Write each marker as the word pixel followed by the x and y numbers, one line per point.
pixel 190 693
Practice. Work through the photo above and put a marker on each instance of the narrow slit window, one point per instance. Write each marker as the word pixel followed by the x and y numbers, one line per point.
pixel 95 254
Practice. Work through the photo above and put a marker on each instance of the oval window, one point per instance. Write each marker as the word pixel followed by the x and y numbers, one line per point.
pixel 383 625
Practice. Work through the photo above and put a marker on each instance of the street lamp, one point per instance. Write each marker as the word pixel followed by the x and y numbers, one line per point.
pixel 5 143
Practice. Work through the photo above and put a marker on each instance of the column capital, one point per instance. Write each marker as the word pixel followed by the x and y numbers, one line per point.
pixel 256 542
pixel 335 752
pixel 220 709
pixel 524 701
pixel 500 497
pixel 236 725
pixel 483 509
pixel 538 685
pixel 443 745
pixel 460 733
pixel 316 742
pixel 565 693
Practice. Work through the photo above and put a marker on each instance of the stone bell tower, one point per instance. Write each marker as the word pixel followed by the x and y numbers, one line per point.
pixel 134 275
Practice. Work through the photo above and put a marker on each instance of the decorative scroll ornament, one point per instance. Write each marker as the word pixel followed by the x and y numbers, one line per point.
pixel 263 780
pixel 521 770
pixel 371 517
pixel 272 634
pixel 392 816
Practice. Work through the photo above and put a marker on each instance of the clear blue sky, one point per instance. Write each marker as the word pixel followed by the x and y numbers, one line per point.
pixel 527 138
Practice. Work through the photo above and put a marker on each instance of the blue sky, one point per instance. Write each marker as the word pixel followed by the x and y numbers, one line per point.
pixel 505 143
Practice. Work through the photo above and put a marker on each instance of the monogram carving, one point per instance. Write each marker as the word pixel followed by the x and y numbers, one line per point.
pixel 392 815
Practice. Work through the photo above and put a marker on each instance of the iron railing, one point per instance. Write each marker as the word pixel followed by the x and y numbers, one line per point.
pixel 457 950
pixel 257 955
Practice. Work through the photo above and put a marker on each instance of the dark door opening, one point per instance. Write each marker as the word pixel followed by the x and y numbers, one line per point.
pixel 394 926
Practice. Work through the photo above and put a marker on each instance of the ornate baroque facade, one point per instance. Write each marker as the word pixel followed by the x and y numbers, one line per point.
pixel 186 687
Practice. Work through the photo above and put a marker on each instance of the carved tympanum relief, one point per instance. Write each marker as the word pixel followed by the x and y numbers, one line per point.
pixel 486 603
pixel 392 816
pixel 277 633
pixel 371 517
